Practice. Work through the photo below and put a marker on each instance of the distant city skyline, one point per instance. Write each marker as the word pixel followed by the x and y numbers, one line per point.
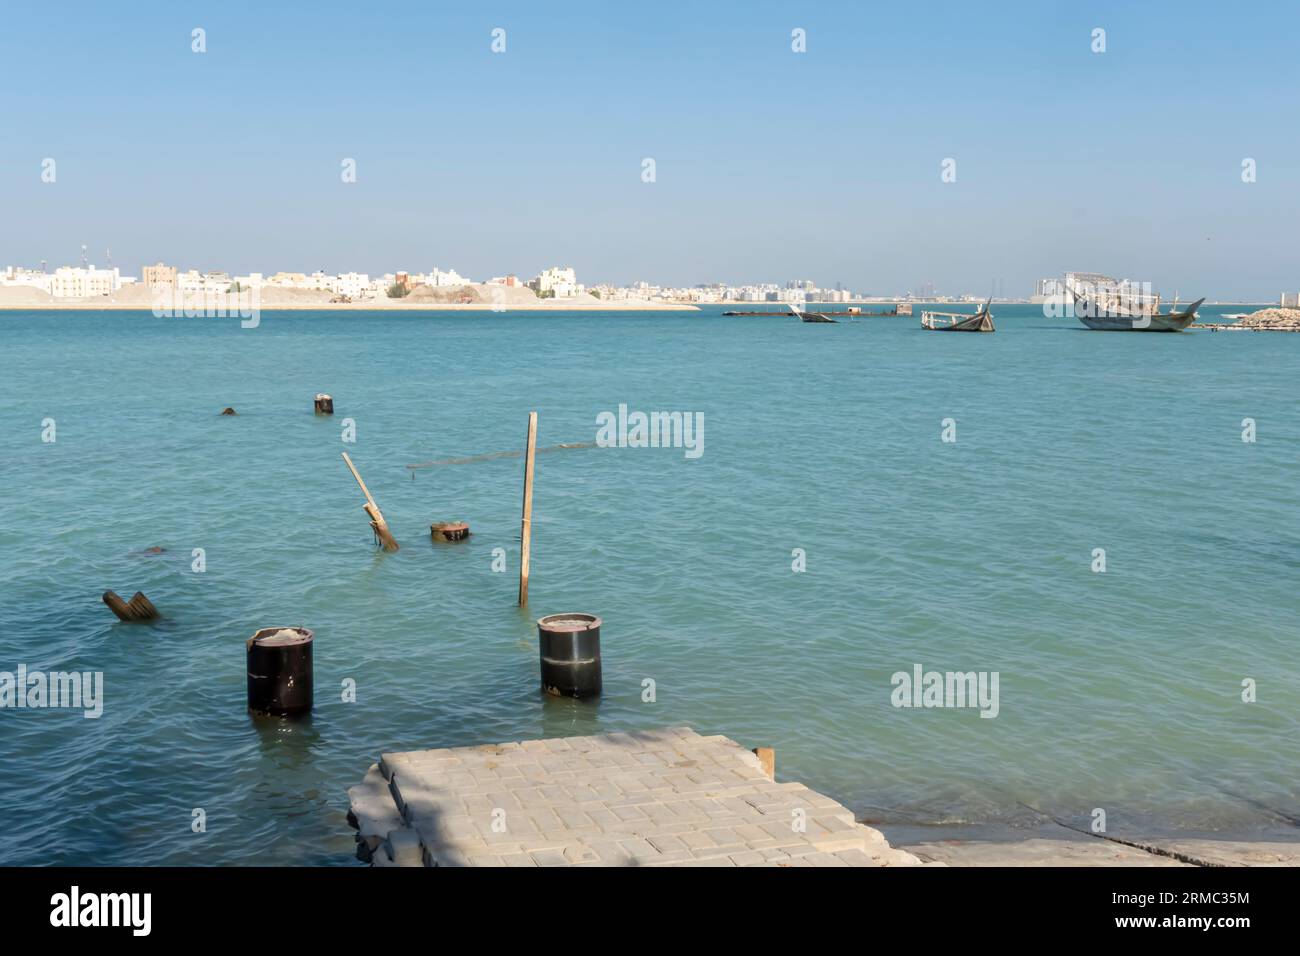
pixel 1157 158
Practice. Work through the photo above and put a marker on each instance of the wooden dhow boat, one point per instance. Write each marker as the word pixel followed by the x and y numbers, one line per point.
pixel 1108 313
pixel 981 321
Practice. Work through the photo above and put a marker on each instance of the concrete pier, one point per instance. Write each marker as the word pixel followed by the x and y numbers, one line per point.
pixel 648 798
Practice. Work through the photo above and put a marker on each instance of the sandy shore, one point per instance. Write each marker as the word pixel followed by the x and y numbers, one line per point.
pixel 277 300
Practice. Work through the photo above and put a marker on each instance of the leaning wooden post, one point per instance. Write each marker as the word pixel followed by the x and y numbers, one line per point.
pixel 526 531
pixel 377 522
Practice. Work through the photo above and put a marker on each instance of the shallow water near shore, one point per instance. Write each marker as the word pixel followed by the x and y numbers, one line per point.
pixel 1119 690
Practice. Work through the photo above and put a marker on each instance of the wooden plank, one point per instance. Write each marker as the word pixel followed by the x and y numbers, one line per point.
pixel 355 474
pixel 377 522
pixel 526 529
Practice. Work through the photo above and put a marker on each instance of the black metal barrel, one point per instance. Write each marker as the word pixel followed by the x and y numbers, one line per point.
pixel 280 671
pixel 570 651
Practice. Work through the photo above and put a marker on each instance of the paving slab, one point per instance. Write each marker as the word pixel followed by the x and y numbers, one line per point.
pixel 667 797
pixel 1055 845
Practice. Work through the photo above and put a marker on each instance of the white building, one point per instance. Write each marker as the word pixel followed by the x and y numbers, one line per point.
pixel 379 286
pixel 1291 300
pixel 355 285
pixel 17 276
pixel 832 295
pixel 288 280
pixel 69 282
pixel 437 278
pixel 562 283
pixel 194 282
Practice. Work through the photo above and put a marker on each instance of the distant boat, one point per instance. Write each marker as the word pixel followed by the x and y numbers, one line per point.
pixel 1107 313
pixel 981 321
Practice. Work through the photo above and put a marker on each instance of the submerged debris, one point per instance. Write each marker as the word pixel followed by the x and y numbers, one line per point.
pixel 449 530
pixel 139 608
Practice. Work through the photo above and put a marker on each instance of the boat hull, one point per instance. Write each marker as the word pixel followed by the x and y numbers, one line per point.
pixel 1147 323
pixel 979 322
pixel 1166 322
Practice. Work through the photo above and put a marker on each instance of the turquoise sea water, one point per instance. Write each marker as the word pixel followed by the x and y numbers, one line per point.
pixel 1119 690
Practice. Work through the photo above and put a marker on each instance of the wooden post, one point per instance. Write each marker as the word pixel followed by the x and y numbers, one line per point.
pixel 526 530
pixel 767 757
pixel 377 522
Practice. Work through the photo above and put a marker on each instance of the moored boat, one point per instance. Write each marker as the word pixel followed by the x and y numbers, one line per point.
pixel 1112 305
pixel 1104 314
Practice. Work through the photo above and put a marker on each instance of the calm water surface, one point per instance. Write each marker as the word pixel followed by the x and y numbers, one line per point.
pixel 1119 690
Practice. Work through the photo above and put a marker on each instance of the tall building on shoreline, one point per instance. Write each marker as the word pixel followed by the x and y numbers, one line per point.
pixel 158 275
pixel 561 283
pixel 70 282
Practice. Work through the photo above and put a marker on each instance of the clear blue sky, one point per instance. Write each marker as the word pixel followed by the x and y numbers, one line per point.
pixel 771 165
